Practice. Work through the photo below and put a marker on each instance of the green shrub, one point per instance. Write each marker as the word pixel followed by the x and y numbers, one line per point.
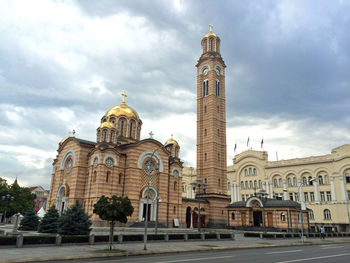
pixel 49 222
pixel 176 237
pixel 7 241
pixel 30 221
pixel 35 240
pixel 74 221
pixel 75 239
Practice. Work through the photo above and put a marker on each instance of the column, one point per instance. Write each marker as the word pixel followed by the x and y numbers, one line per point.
pixel 334 199
pixel 238 193
pixel 234 189
pixel 271 191
pixel 342 187
pixel 285 193
pixel 232 193
pixel 317 200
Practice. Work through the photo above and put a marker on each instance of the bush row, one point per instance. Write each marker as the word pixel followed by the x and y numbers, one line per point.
pixel 34 240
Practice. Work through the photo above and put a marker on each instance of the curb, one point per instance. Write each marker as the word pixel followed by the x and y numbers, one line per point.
pixel 97 255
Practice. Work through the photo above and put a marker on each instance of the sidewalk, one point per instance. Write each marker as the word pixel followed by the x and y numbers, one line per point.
pixel 37 254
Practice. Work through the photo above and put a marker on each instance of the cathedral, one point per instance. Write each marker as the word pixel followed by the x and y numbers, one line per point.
pixel 121 164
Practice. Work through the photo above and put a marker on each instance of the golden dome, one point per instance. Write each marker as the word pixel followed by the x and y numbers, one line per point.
pixel 63 140
pixel 211 32
pixel 174 142
pixel 122 110
pixel 107 124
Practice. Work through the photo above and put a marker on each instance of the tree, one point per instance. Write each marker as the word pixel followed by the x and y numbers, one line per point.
pixel 113 209
pixel 49 223
pixel 74 221
pixel 30 221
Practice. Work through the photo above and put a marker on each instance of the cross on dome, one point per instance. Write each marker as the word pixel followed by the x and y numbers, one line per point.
pixel 210 28
pixel 124 95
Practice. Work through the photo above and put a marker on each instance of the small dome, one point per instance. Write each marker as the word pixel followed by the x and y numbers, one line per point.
pixel 174 142
pixel 107 124
pixel 211 34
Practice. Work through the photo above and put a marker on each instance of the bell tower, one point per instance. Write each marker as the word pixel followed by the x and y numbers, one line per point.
pixel 211 116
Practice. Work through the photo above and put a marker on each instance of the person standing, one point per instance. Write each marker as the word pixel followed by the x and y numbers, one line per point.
pixel 322 232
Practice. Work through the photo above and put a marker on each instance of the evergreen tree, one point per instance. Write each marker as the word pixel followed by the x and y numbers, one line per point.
pixel 74 221
pixel 30 221
pixel 49 223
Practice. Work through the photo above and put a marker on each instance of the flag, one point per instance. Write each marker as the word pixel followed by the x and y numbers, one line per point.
pixel 262 143
pixel 248 142
pixel 235 147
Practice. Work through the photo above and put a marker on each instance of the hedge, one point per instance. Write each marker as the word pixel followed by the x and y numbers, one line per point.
pixel 210 236
pixel 4 241
pixel 101 239
pixel 155 237
pixel 133 238
pixel 176 237
pixel 225 235
pixel 194 236
pixel 75 239
pixel 35 240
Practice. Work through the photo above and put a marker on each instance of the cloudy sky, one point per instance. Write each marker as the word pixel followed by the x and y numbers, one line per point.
pixel 63 64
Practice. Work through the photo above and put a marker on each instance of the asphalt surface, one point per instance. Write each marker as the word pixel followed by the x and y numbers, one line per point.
pixel 316 253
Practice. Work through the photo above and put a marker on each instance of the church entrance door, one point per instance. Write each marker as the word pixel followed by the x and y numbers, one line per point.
pixel 269 220
pixel 244 219
pixel 149 211
pixel 257 217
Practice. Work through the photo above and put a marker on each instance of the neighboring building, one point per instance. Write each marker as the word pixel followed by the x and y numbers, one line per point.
pixel 41 197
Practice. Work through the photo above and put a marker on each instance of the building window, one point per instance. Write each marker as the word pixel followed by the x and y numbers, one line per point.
pixel 130 132
pixel 175 186
pixel 205 156
pixel 250 171
pixel 122 128
pixel 309 179
pixel 291 196
pixel 296 197
pixel 347 178
pixel 107 176
pixel 242 185
pixel 245 172
pixel 205 132
pixel 119 178
pixel 312 197
pixel 289 181
pixel 280 182
pixel 183 188
pixel 326 181
pixel 217 88
pixel 329 197
pixel 243 198
pixel 233 216
pixel 283 217
pixel 250 184
pixel 311 215
pixel 294 181
pixel 304 180
pixel 348 195
pixel 205 88
pixel 275 184
pixel 228 186
pixel 254 171
pixel 246 184
pixel 255 185
pixel 320 179
pixel 205 109
pixel 306 197
pixel 322 196
pixel 260 184
pixel 174 210
pixel 327 214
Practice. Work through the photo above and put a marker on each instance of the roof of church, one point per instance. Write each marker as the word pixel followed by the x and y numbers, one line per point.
pixel 268 202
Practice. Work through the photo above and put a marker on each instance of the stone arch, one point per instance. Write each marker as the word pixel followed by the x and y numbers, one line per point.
pixel 251 199
pixel 62 198
pixel 148 154
pixel 69 153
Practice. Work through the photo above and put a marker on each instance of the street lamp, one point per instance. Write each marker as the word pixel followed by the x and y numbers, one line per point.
pixel 197 184
pixel 301 216
pixel 6 198
pixel 149 168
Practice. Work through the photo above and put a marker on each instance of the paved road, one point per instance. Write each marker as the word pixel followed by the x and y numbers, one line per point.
pixel 317 253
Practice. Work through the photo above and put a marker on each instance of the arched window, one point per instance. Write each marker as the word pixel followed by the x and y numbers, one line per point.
pixel 294 181
pixel 205 132
pixel 347 178
pixel 120 178
pixel 205 109
pixel 250 184
pixel 260 184
pixel 94 176
pixel 289 181
pixel 228 186
pixel 122 128
pixel 69 164
pixel 304 180
pixel 130 130
pixel 309 179
pixel 245 172
pixel 327 214
pixel 218 156
pixel 233 216
pixel 283 217
pixel 205 156
pixel 320 179
pixel 107 176
pixel 242 185
pixel 254 171
pixel 326 181
pixel 205 88
pixel 217 88
pixel 255 185
pixel 275 184
pixel 311 215
pixel 280 184
pixel 174 210
pixel 250 171
pixel 219 182
pixel 175 186
pixel 246 184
